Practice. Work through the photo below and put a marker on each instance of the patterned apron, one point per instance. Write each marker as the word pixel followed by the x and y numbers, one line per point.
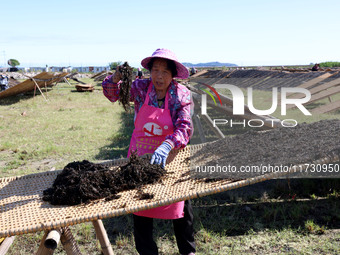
pixel 152 125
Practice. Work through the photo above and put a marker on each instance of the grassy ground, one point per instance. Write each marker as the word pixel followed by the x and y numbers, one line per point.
pixel 274 217
pixel 37 135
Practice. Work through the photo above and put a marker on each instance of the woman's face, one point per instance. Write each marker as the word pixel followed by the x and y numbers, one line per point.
pixel 160 74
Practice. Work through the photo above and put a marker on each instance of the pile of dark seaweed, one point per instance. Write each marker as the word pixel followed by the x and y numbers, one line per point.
pixel 83 182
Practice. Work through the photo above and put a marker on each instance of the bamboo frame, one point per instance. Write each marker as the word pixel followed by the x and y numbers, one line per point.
pixel 32 210
pixel 326 93
pixel 69 243
pixel 327 108
pixel 42 79
pixel 22 196
pixel 37 86
pixel 52 239
pixel 324 86
pixel 6 244
pixel 42 249
pixel 102 237
pixel 65 80
pixel 315 81
pixel 320 92
pixel 199 127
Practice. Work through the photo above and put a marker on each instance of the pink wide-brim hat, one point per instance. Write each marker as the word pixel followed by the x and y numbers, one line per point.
pixel 182 71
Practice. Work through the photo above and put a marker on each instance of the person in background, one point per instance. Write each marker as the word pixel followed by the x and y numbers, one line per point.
pixel 316 67
pixel 139 73
pixel 163 116
pixel 193 71
pixel 3 82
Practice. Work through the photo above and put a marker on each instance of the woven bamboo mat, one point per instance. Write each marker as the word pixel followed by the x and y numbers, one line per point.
pixel 22 209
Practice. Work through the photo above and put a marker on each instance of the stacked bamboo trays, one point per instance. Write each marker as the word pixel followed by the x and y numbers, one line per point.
pixel 84 87
pixel 22 209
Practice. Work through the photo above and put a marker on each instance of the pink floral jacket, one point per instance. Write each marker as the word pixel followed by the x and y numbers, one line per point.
pixel 180 105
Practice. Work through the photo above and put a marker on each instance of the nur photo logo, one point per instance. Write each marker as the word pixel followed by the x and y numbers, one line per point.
pixel 239 105
pixel 212 97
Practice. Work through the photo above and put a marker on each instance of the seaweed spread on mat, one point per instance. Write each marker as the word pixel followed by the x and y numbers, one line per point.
pixel 83 182
pixel 283 146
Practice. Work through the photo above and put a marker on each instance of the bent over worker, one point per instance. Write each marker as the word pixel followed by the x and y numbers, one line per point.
pixel 162 114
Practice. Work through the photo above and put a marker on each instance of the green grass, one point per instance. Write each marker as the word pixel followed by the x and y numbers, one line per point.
pixel 274 217
pixel 69 126
pixel 330 64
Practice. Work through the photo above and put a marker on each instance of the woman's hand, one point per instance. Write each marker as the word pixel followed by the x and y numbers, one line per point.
pixel 117 76
pixel 161 154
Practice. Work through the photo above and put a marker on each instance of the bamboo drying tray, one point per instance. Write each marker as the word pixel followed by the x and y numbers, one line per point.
pixel 22 209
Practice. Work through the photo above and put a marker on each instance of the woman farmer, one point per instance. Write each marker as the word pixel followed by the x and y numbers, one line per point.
pixel 162 115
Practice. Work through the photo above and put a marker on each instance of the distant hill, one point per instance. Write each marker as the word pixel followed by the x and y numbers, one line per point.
pixel 209 64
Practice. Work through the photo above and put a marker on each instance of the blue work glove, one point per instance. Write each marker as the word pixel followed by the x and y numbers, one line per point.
pixel 160 155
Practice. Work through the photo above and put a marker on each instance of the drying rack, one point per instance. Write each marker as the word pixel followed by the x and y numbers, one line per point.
pixel 23 211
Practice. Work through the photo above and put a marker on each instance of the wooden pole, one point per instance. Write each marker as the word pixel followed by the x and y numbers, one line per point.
pixel 42 249
pixel 36 85
pixel 65 80
pixel 35 89
pixel 215 129
pixel 6 244
pixel 200 128
pixel 52 239
pixel 321 95
pixel 102 237
pixel 199 124
pixel 68 242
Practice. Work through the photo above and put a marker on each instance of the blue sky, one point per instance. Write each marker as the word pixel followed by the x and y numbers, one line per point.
pixel 82 33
